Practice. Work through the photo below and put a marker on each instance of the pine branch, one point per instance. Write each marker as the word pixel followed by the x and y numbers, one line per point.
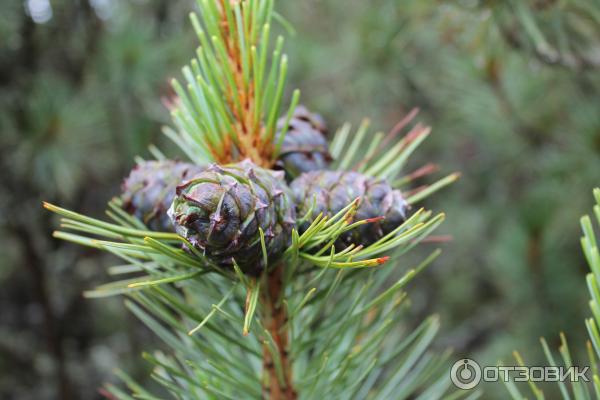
pixel 252 300
pixel 556 34
pixel 387 155
pixel 227 110
pixel 577 388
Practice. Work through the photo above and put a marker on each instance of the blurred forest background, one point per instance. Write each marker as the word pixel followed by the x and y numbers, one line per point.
pixel 510 88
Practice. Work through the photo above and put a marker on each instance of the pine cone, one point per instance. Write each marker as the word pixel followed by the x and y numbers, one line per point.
pixel 330 191
pixel 148 191
pixel 304 147
pixel 221 210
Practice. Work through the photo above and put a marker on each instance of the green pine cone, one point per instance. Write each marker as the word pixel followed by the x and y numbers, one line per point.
pixel 148 191
pixel 304 147
pixel 221 210
pixel 330 191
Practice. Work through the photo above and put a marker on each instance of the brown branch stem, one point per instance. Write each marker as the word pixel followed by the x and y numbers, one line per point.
pixel 276 387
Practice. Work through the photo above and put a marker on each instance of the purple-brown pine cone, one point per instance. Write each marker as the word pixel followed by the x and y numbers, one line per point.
pixel 149 190
pixel 221 210
pixel 304 147
pixel 330 191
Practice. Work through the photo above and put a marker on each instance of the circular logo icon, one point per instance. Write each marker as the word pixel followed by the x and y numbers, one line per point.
pixel 465 374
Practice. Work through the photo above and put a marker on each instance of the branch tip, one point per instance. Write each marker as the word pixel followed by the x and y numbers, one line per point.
pixel 382 260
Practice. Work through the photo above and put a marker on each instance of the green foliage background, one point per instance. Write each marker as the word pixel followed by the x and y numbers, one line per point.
pixel 81 95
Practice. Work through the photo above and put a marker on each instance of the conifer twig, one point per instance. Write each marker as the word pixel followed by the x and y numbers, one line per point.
pixel 276 387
